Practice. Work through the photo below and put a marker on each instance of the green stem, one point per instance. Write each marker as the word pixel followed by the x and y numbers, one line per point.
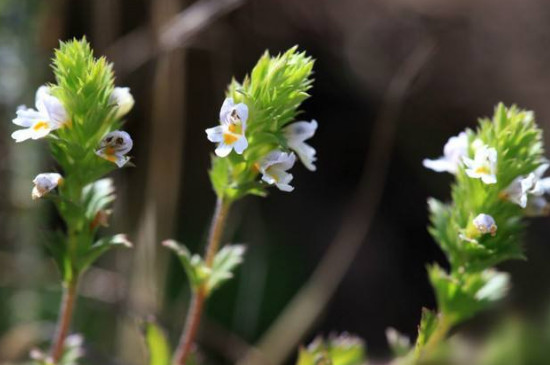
pixel 443 327
pixel 64 320
pixel 200 295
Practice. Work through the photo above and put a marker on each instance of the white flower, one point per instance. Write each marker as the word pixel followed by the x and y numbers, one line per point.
pixel 123 100
pixel 517 192
pixel 484 164
pixel 230 134
pixel 274 168
pixel 296 134
pixel 44 183
pixel 484 223
pixel 115 146
pixel 454 150
pixel 48 116
pixel 528 192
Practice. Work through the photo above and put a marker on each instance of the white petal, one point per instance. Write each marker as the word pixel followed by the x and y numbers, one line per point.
pixel 545 184
pixel 240 145
pixel 287 160
pixel 285 187
pixel 489 179
pixel 123 100
pixel 300 131
pixel 41 93
pixel 226 109
pixel 121 160
pixel 268 179
pixel 539 172
pixel 468 162
pixel 56 111
pixel 22 135
pixel 223 150
pixel 214 134
pixel 27 117
pixel 242 112
pixel 439 165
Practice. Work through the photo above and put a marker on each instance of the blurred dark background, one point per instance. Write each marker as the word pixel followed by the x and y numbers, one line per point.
pixel 177 57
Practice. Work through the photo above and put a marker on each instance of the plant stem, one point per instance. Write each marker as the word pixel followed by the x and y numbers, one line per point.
pixel 443 327
pixel 64 321
pixel 199 296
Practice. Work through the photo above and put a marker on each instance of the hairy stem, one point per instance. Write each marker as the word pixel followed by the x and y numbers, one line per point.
pixel 199 296
pixel 64 320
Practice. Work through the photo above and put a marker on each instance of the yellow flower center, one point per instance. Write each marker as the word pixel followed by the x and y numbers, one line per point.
pixel 230 138
pixel 482 170
pixel 235 128
pixel 40 125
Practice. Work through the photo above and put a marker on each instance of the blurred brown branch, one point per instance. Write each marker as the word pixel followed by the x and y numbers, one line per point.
pixel 306 307
pixel 145 43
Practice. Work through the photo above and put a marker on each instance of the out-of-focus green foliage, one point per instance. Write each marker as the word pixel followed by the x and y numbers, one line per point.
pixel 337 350
pixel 157 344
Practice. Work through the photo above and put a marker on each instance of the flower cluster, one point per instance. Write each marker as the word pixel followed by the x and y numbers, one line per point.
pixel 231 136
pixel 51 115
pixel 258 137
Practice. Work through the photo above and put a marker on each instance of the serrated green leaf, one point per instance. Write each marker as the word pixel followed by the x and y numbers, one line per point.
pixel 194 265
pixel 99 248
pixel 225 262
pixel 428 324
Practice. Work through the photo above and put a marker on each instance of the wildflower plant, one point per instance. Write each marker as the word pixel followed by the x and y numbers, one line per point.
pixel 78 116
pixel 257 139
pixel 498 181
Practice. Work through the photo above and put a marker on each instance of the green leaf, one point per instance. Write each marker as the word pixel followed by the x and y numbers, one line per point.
pixel 460 297
pixel 225 262
pixel 220 175
pixel 428 324
pixel 97 196
pixel 194 265
pixel 56 245
pixel 99 248
pixel 157 344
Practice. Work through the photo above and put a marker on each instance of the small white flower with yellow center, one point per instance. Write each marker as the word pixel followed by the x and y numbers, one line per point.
pixel 484 164
pixel 230 134
pixel 44 183
pixel 296 134
pixel 123 101
pixel 48 116
pixel 484 223
pixel 115 146
pixel 274 168
pixel 454 150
